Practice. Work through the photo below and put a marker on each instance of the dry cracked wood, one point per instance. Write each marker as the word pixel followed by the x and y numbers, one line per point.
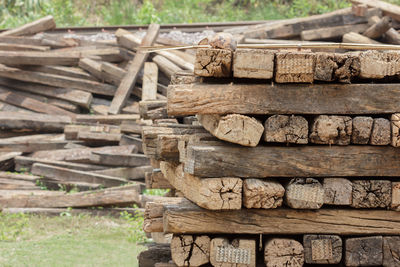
pixel 235 253
pixel 322 249
pixel 395 128
pixel 40 25
pixel 359 99
pixel 211 62
pixel 213 194
pixel 379 28
pixel 381 132
pixel 234 128
pixel 364 251
pixel 371 193
pixel 280 252
pixel 286 129
pixel 304 193
pixel 253 63
pixel 222 160
pixel 331 130
pixel 188 250
pixel 294 67
pixel 156 179
pixel 338 191
pixel 265 194
pixel 150 78
pixel 391 251
pixel 395 203
pixel 336 67
pixel 362 128
pixel 379 64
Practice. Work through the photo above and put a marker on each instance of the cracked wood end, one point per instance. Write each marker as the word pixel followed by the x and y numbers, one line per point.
pixel 372 193
pixel 336 67
pixel 286 129
pixel 188 250
pixel 395 127
pixel 338 191
pixel 208 193
pixel 322 249
pixel 235 253
pixel 379 64
pixel 253 63
pixel 334 130
pixel 283 252
pixel 213 62
pixel 294 67
pixel 265 194
pixel 304 193
pixel 234 128
pixel 364 251
pixel 391 251
pixel 362 128
pixel 381 131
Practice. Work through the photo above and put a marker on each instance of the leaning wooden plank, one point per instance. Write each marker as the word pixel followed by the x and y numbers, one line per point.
pixel 101 198
pixel 35 122
pixel 39 58
pixel 131 173
pixel 127 84
pixel 40 25
pixel 387 8
pixel 332 32
pixel 353 37
pixel 107 119
pixel 191 99
pixel 305 161
pixel 115 212
pixel 69 175
pixel 378 28
pixel 56 80
pixel 280 221
pixel 115 159
pixel 166 66
pixel 74 96
pixel 213 194
pixel 20 100
pixel 91 66
pixel 24 164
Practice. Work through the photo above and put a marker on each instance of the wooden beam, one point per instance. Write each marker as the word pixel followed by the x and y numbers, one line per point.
pixel 121 160
pixel 39 58
pixel 322 249
pixel 305 161
pixel 107 119
pixel 353 37
pixel 40 25
pixel 188 250
pixel 125 88
pixel 150 77
pixel 387 8
pixel 73 72
pixel 36 122
pixel 280 221
pixel 283 252
pixel 364 251
pixel 131 173
pixel 24 164
pixel 191 99
pixel 332 32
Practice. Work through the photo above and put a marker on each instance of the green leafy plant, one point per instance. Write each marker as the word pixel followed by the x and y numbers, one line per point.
pixel 41 184
pixel 135 231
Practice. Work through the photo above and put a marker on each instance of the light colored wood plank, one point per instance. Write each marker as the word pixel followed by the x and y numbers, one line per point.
pixel 150 77
pixel 40 25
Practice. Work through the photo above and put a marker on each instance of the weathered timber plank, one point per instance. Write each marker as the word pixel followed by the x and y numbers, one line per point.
pixel 332 32
pixel 387 8
pixel 120 160
pixel 40 25
pixel 281 221
pixel 39 58
pixel 191 99
pixel 34 122
pixel 107 119
pixel 306 161
pixel 24 164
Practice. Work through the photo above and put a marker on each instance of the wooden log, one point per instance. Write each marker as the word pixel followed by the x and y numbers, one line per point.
pixel 74 96
pixel 39 58
pixel 34 122
pixel 353 37
pixel 24 164
pixel 71 131
pixel 166 66
pixel 213 194
pixel 395 129
pixel 395 203
pixel 391 251
pixel 155 254
pixel 379 28
pixel 303 161
pixel 336 67
pixel 237 252
pixel 379 64
pixel 234 128
pixel 283 252
pixel 299 99
pixel 112 74
pixel 71 176
pixel 167 147
pixel 91 66
pixel 40 25
pixel 381 132
pixel 332 130
pixel 127 140
pixel 120 160
pixel 150 77
pixel 337 191
pixel 261 194
pixel 322 249
pixel 14 98
pixel 156 179
pixel 372 193
pixel 332 32
pixel 294 67
pixel 184 77
pixel 127 84
pixel 188 250
pixel 21 47
pixel 131 173
pixel 361 130
pixel 364 251
pixel 392 36
pixel 107 119
pixel 185 219
pixel 286 129
pixel 253 63
pixel 10 108
pixel 387 8
pixel 213 62
pixel 304 193
pixel 50 199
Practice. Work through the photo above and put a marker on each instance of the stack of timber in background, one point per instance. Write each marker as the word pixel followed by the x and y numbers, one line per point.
pixel 70 118
pixel 292 159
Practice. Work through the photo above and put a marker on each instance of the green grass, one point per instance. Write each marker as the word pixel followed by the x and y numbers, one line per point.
pixel 29 240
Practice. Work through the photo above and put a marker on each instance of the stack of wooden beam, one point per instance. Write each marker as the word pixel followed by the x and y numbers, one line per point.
pixel 70 117
pixel 295 160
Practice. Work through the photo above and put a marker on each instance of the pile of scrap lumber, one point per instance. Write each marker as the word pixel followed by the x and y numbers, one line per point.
pixel 70 117
pixel 292 159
